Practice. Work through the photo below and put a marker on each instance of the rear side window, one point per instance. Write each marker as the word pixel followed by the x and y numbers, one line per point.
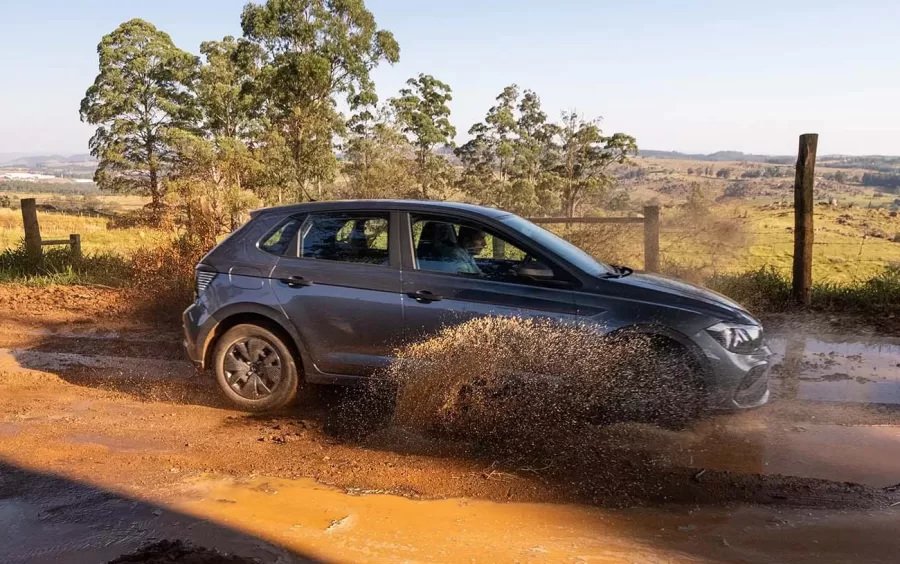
pixel 361 238
pixel 279 238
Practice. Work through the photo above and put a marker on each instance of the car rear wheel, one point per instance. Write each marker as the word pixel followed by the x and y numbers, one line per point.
pixel 255 368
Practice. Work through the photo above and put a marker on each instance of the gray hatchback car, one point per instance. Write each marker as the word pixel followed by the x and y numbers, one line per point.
pixel 328 291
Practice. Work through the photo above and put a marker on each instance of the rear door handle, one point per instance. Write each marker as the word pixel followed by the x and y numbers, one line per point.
pixel 296 281
pixel 424 296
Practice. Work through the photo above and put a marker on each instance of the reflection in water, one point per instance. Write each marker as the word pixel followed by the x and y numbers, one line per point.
pixel 818 370
pixel 864 455
pixel 812 370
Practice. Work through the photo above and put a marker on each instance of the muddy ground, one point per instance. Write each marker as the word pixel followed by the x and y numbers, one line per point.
pixel 110 441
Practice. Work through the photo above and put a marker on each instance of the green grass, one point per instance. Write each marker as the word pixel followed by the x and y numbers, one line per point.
pixel 59 266
pixel 768 290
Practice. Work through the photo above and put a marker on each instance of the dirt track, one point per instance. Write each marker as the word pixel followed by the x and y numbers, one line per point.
pixel 139 446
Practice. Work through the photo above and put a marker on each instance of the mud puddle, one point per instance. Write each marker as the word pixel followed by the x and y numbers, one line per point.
pixel 866 371
pixel 750 445
pixel 316 520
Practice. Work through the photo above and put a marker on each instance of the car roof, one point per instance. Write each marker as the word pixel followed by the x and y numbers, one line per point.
pixel 406 205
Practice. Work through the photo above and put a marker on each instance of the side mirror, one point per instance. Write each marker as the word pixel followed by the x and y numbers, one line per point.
pixel 536 271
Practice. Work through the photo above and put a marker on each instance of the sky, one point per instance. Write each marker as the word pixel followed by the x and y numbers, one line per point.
pixel 690 76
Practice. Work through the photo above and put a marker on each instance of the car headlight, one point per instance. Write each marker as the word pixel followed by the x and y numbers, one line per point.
pixel 741 339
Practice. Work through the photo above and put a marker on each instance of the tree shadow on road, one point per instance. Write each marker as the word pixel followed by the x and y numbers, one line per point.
pixel 50 518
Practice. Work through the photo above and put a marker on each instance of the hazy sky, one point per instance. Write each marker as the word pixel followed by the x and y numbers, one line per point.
pixel 689 75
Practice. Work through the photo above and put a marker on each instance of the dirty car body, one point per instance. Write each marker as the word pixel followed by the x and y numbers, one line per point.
pixel 341 285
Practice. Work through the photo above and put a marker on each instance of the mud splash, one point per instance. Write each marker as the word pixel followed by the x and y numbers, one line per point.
pixel 528 383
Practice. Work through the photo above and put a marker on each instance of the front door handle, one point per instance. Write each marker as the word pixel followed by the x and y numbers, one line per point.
pixel 424 296
pixel 296 281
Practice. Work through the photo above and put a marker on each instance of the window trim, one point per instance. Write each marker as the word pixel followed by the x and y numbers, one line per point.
pixel 291 245
pixel 572 282
pixel 392 236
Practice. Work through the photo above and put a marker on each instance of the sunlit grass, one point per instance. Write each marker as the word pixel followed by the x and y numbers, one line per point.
pixel 95 236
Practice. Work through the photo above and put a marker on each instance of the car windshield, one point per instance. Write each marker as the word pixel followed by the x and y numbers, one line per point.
pixel 558 245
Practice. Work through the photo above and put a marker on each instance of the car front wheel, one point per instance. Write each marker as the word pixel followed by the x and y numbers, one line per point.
pixel 255 368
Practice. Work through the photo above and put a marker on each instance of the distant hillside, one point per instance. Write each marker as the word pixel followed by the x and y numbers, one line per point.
pixel 44 161
pixel 719 156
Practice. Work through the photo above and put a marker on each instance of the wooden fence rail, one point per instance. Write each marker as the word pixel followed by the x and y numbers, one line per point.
pixel 650 221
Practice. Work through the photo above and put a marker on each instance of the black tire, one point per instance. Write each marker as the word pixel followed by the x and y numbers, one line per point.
pixel 255 368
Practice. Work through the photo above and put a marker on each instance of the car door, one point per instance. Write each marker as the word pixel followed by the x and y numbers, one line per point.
pixel 340 286
pixel 441 288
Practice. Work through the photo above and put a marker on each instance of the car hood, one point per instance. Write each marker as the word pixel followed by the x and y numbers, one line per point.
pixel 682 289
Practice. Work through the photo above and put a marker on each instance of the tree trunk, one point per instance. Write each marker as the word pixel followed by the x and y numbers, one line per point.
pixel 423 171
pixel 155 196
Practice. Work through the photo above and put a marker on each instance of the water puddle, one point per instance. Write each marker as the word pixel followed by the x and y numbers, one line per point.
pixel 819 370
pixel 863 455
pixel 326 523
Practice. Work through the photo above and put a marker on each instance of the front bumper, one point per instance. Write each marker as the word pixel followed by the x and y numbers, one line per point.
pixel 735 381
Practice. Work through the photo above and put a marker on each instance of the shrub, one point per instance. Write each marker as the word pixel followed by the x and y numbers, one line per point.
pixel 164 276
pixel 877 294
pixel 768 290
pixel 765 289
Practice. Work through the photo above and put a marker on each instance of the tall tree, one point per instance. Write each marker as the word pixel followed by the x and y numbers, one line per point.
pixel 227 103
pixel 424 116
pixel 490 151
pixel 582 156
pixel 504 159
pixel 207 179
pixel 377 157
pixel 312 51
pixel 140 96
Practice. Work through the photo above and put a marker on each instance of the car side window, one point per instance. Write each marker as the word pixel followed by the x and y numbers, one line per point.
pixel 468 249
pixel 360 238
pixel 279 238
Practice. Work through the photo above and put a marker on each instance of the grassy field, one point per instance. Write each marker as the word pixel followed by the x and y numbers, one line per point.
pixel 854 237
pixel 95 233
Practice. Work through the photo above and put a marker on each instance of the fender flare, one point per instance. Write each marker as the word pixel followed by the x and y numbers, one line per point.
pixel 227 313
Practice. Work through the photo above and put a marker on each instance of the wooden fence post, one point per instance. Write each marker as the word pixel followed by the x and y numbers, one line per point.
pixel 32 229
pixel 75 242
pixel 804 181
pixel 651 238
pixel 499 247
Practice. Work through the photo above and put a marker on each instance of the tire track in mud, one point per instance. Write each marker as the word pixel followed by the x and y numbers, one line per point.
pixel 118 366
pixel 94 342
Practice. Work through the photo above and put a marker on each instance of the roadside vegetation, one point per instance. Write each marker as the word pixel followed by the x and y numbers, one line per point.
pixel 288 112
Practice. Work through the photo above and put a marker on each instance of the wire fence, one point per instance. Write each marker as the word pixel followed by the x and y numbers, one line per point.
pixel 698 247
